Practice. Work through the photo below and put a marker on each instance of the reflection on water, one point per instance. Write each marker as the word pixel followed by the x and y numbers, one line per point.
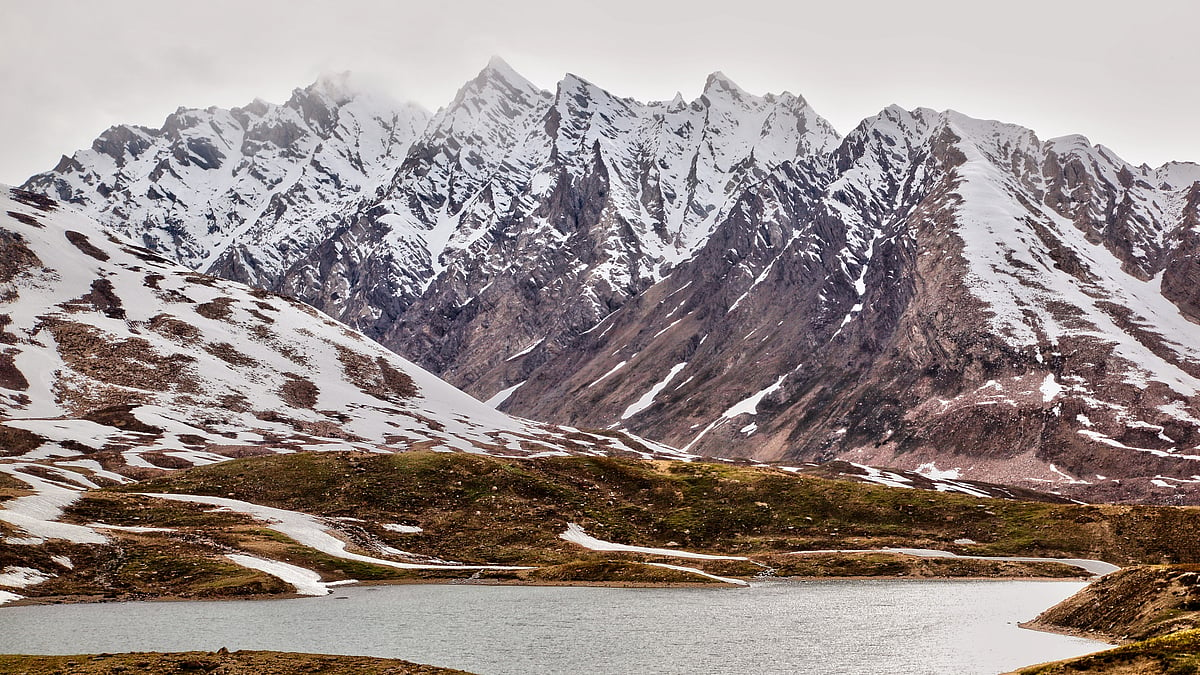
pixel 851 627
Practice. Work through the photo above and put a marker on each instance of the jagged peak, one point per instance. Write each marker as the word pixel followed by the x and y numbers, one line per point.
pixel 986 132
pixel 496 85
pixel 342 88
pixel 498 67
pixel 1069 143
pixel 338 87
pixel 1179 174
pixel 900 118
pixel 577 88
pixel 498 72
pixel 256 107
pixel 719 83
pixel 571 82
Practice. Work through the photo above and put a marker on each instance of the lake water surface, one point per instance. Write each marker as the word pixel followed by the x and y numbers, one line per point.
pixel 850 627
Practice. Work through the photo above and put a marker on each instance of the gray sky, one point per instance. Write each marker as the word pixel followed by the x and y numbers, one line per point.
pixel 1123 73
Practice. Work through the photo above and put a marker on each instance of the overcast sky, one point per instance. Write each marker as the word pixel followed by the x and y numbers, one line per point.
pixel 1123 74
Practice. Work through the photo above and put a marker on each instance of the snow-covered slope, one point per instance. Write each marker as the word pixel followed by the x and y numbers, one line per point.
pixel 255 181
pixel 116 359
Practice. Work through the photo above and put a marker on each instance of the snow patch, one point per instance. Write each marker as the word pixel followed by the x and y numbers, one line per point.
pixel 22 577
pixel 38 514
pixel 882 477
pixel 749 405
pixel 502 396
pixel 1050 388
pixel 931 471
pixel 693 570
pixel 603 377
pixel 525 351
pixel 1096 567
pixel 130 528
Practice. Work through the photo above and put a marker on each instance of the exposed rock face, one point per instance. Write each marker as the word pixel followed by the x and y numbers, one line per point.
pixel 927 305
pixel 730 276
pixel 1181 271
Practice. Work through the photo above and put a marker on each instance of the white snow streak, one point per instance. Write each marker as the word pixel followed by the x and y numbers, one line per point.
pixel 305 581
pixel 1097 567
pixel 502 396
pixel 603 377
pixel 647 399
pixel 693 570
pixel 576 535
pixel 525 351
pixel 38 514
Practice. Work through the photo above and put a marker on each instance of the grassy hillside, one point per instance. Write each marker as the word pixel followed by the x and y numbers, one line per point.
pixel 227 663
pixel 486 510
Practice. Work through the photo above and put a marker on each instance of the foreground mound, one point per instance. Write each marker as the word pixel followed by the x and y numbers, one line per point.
pixel 1175 654
pixel 228 663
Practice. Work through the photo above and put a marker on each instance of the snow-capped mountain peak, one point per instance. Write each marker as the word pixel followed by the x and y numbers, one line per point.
pixel 718 84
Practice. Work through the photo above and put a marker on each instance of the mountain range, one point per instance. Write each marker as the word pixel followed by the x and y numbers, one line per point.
pixel 727 275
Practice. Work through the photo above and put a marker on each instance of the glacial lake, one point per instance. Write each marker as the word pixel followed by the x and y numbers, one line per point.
pixel 837 626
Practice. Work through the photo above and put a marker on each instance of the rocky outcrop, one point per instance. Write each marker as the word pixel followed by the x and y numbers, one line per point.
pixel 1135 603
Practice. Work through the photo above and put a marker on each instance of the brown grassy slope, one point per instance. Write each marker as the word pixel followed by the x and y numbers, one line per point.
pixel 1135 603
pixel 498 510
pixel 227 663
pixel 481 510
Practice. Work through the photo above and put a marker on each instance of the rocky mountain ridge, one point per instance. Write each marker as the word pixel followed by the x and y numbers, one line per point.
pixel 731 276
